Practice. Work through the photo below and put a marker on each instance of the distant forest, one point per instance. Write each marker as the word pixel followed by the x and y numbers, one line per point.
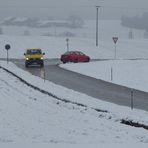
pixel 71 22
pixel 136 22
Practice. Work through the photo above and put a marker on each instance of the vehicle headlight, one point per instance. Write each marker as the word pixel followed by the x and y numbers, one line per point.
pixel 41 58
pixel 27 58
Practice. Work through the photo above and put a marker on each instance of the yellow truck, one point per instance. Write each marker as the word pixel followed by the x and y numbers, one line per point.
pixel 34 57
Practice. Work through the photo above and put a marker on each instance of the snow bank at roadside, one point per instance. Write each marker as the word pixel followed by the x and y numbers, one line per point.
pixel 115 111
pixel 130 73
pixel 29 116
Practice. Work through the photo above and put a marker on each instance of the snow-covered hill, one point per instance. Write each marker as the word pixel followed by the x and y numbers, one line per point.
pixel 29 116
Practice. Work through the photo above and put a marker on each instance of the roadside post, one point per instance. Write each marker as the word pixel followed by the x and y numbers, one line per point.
pixel 115 39
pixel 111 74
pixel 7 47
pixel 42 73
pixel 132 99
pixel 67 44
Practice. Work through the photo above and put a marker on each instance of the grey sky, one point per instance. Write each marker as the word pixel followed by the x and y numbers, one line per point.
pixel 110 9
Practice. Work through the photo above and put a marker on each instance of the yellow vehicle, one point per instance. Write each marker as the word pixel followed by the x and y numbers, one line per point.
pixel 34 57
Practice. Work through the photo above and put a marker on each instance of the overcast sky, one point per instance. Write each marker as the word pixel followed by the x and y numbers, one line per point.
pixel 110 9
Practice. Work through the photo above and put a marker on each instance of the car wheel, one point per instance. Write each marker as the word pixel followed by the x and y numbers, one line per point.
pixel 76 61
pixel 42 65
pixel 88 60
pixel 26 65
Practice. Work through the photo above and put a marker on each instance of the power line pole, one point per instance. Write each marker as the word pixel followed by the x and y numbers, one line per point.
pixel 97 24
pixel 67 44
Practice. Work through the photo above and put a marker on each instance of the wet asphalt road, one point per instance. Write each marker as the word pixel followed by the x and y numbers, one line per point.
pixel 93 87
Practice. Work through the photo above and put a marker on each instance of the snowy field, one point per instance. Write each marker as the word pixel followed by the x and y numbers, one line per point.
pixel 31 117
pixel 84 40
pixel 130 73
pixel 133 72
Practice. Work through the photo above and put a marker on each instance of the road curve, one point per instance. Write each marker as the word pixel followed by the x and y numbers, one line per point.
pixel 93 87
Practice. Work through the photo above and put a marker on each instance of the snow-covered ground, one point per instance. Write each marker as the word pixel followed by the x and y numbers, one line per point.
pixel 29 116
pixel 130 73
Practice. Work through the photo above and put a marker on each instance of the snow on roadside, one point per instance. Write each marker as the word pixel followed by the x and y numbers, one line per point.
pixel 130 73
pixel 74 96
pixel 29 116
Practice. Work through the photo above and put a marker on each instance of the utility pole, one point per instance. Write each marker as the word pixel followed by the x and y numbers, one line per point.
pixel 67 44
pixel 97 24
pixel 7 47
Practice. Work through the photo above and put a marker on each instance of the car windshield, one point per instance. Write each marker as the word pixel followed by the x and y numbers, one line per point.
pixel 34 51
pixel 79 53
pixel 74 52
pixel 67 53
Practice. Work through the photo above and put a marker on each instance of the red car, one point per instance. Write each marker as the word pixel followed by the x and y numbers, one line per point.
pixel 74 56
